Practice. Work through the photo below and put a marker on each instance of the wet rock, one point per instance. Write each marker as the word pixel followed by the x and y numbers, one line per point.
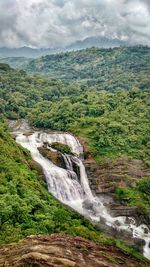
pixel 118 210
pixel 87 204
pixel 76 168
pixel 28 133
pixel 143 219
pixel 54 156
pixel 139 244
pixel 110 174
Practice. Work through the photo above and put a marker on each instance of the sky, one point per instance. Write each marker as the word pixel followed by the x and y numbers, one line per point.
pixel 58 23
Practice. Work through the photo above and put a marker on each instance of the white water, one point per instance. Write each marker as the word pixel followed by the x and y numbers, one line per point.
pixel 66 139
pixel 74 191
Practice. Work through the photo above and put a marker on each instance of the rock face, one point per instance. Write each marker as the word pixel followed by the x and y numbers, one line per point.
pixel 109 174
pixel 106 176
pixel 60 250
pixel 118 210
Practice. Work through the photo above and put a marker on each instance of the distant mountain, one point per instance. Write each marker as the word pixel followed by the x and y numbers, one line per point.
pixel 106 69
pixel 27 52
pixel 100 42
pixel 93 64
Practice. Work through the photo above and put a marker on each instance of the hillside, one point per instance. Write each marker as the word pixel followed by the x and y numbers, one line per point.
pixel 112 125
pixel 27 208
pixel 122 115
pixel 16 62
pixel 74 133
pixel 106 69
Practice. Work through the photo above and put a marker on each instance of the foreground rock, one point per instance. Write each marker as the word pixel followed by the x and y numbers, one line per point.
pixel 60 250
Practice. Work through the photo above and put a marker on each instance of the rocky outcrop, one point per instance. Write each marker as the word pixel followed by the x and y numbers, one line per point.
pixel 107 176
pixel 60 250
pixel 54 156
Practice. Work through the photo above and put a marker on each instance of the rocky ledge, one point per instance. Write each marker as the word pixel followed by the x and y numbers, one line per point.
pixel 60 250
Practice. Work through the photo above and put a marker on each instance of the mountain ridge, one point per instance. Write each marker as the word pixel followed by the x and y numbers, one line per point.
pixel 28 52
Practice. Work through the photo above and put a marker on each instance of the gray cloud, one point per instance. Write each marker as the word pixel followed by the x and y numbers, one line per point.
pixel 51 23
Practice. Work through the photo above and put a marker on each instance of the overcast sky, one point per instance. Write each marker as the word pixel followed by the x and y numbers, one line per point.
pixel 55 23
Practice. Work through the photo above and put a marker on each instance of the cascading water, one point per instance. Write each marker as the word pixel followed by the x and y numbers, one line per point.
pixel 59 183
pixel 73 189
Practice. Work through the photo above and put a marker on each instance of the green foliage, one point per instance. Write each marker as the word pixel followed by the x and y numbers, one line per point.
pixel 115 124
pixel 113 116
pixel 61 148
pixel 144 186
pixel 138 195
pixel 106 69
pixel 27 208
pixel 4 67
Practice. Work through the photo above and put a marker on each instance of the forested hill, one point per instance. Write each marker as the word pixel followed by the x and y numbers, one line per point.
pixel 107 69
pixel 114 124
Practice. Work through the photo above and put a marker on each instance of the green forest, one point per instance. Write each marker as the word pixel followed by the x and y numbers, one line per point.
pixel 100 95
pixel 111 69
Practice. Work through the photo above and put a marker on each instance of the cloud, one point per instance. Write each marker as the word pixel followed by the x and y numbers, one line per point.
pixel 55 23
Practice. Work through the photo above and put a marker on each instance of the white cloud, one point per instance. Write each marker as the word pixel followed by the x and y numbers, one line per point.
pixel 50 23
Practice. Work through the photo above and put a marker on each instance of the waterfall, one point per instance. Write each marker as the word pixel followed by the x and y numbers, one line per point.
pixel 83 179
pixel 68 162
pixel 65 185
pixel 73 189
pixel 63 138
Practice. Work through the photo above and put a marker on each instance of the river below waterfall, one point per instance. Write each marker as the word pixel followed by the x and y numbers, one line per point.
pixel 73 188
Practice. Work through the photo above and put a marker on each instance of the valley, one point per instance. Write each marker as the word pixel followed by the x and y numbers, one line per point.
pixel 89 146
pixel 74 133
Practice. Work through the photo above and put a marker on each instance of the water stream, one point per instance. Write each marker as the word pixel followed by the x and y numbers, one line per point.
pixel 73 189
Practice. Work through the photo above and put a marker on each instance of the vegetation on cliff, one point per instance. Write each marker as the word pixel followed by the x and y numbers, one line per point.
pixel 115 124
pixel 27 208
pixel 137 195
pixel 107 103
